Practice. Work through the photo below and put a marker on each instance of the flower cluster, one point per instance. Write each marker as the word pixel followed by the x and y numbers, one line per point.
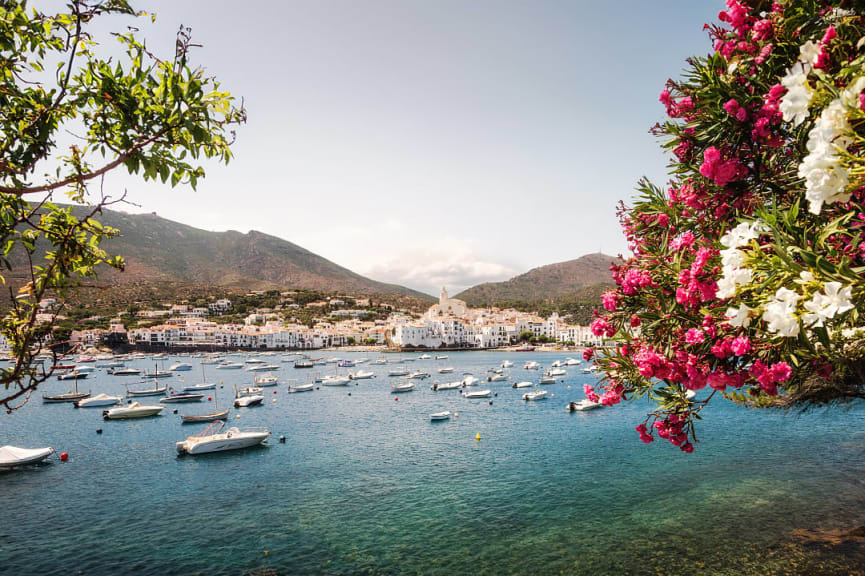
pixel 733 287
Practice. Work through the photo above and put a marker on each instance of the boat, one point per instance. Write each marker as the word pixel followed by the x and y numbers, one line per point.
pixel 125 372
pixel 178 397
pixel 479 394
pixel 418 375
pixel 446 370
pixel 556 372
pixel 507 364
pixel 557 364
pixel 590 369
pixel 572 362
pixel 525 348
pixel 470 380
pixel 447 386
pixel 249 390
pixel 333 360
pixel 155 391
pixel 438 416
pixel 212 439
pixel 266 381
pixel 690 394
pixel 98 400
pixel 134 410
pixel 254 361
pixel 263 368
pixel 583 405
pixel 73 375
pixel 11 456
pixel 248 400
pixel 335 380
pixel 231 366
pixel 547 380
pixel 532 365
pixel 346 363
pixel 496 378
pixel 404 387
pixel 361 375
pixel 199 387
pixel 424 357
pixel 442 357
pixel 535 395
pixel 180 367
pixel 70 396
pixel 304 364
pixel 84 359
pixel 379 362
pixel 397 372
pixel 84 369
pixel 522 385
pixel 212 417
pixel 157 374
pixel 301 388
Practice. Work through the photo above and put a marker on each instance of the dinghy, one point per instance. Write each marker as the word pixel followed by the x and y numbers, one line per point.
pixel 11 456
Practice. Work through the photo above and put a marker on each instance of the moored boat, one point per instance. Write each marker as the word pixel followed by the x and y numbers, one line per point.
pixel 535 395
pixel 479 394
pixel 438 416
pixel 214 440
pixel 583 405
pixel 98 400
pixel 404 387
pixel 178 397
pixel 302 388
pixel 12 456
pixel 134 410
pixel 361 375
pixel 447 386
pixel 522 385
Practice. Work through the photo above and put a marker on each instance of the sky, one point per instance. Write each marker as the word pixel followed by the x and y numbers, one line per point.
pixel 430 143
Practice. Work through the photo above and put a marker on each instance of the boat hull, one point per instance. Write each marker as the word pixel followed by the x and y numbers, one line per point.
pixel 222 444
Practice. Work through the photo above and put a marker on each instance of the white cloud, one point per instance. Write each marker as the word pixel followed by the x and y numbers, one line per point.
pixel 428 268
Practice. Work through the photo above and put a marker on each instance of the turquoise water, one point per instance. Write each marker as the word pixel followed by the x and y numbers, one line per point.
pixel 367 485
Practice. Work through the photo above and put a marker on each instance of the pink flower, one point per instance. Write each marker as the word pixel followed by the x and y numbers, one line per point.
pixel 822 61
pixel 588 353
pixel 829 35
pixel 781 371
pixel 740 346
pixel 601 327
pixel 635 321
pixel 590 393
pixel 687 447
pixel 694 336
pixel 609 298
pixel 644 434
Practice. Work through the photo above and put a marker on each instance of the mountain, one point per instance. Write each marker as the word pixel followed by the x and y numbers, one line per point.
pixel 160 251
pixel 571 280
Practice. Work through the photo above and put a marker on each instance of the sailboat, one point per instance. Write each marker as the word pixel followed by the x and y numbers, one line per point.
pixel 155 391
pixel 199 387
pixel 212 417
pixel 68 397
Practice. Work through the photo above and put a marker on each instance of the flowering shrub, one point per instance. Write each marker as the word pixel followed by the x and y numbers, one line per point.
pixel 747 272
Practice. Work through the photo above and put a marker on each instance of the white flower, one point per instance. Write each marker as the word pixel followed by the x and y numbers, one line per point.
pixel 826 179
pixel 726 288
pixel 834 300
pixel 740 235
pixel 808 52
pixel 740 317
pixel 780 313
pixel 732 257
pixel 794 103
pixel 805 276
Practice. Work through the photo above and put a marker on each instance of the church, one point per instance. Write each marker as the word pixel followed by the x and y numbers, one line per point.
pixel 446 307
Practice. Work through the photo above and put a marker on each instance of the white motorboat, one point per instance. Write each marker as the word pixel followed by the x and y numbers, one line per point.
pixel 470 380
pixel 447 386
pixel 229 366
pixel 179 397
pixel 379 362
pixel 214 440
pixel 361 375
pixel 590 369
pixel 346 363
pixel 418 375
pixel 263 368
pixel 583 405
pixel 424 357
pixel 397 372
pixel 532 365
pixel 535 395
pixel 547 379
pixel 335 380
pixel 557 364
pixel 442 357
pixel 507 364
pixel 522 385
pixel 199 387
pixel 11 456
pixel 497 378
pixel 73 375
pixel 255 361
pixel 438 416
pixel 125 372
pixel 247 401
pixel 446 370
pixel 266 381
pixel 134 410
pixel 98 400
pixel 332 360
pixel 84 369
pixel 555 372
pixel 302 388
pixel 404 387
pixel 180 367
pixel 250 390
pixel 479 394
pixel 572 362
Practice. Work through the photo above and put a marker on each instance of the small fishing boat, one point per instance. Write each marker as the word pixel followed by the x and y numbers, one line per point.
pixel 180 367
pixel 199 387
pixel 404 387
pixel 446 370
pixel 583 405
pixel 439 416
pixel 251 390
pixel 479 394
pixel 158 374
pixel 134 410
pixel 447 386
pixel 589 369
pixel 70 397
pixel 301 388
pixel 522 385
pixel 212 417
pixel 335 380
pixel 73 375
pixel 249 400
pixel 155 391
pixel 535 395
pixel 125 372
pixel 12 456
pixel 361 375
pixel 179 397
pixel 98 400
pixel 442 357
pixel 211 439
pixel 266 381
pixel 546 380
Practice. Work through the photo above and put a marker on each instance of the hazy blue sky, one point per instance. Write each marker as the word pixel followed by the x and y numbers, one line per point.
pixel 438 142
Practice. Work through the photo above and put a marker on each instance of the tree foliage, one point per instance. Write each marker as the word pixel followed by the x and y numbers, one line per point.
pixel 746 278
pixel 158 118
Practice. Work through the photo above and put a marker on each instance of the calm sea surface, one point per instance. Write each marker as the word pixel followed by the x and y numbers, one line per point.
pixel 365 484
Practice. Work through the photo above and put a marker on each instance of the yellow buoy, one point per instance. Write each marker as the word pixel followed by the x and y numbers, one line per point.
pixel 478 437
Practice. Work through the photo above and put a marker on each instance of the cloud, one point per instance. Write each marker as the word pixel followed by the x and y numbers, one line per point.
pixel 428 268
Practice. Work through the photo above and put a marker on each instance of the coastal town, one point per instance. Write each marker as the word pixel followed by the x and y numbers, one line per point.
pixel 448 324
